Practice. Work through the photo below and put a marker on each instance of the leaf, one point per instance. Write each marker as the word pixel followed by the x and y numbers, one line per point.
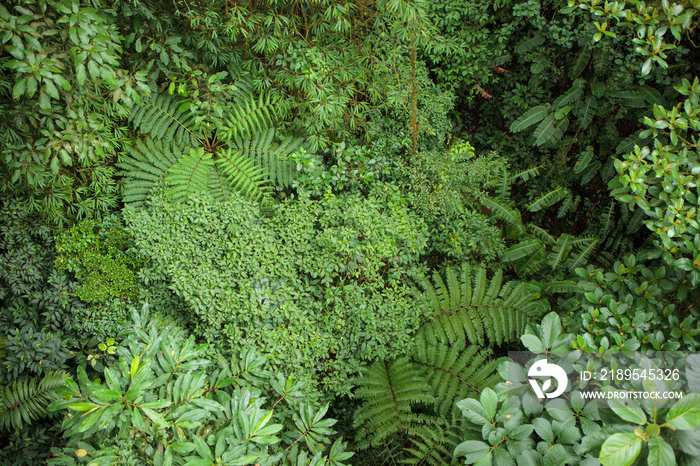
pixel 579 63
pixel 685 414
pixel 631 99
pixel 548 199
pixel 533 343
pixel 620 450
pixel 584 159
pixel 521 249
pixel 473 450
pixel 660 453
pixel 628 411
pixel 530 43
pixel 587 111
pixel 550 130
pixel 529 118
pixel 652 96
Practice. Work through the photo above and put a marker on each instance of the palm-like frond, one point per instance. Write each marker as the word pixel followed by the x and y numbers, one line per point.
pixel 242 174
pixel 145 167
pixel 476 309
pixel 389 390
pixel 26 401
pixel 189 175
pixel 165 117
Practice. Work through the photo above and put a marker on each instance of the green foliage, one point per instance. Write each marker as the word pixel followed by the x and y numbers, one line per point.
pixel 511 422
pixel 389 391
pixel 323 285
pixel 62 95
pixel 99 257
pixel 188 411
pixel 235 152
pixel 467 307
pixel 635 306
pixel 26 401
pixel 39 311
pixel 451 359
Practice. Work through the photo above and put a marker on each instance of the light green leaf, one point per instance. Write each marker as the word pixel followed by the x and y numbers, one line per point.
pixel 660 453
pixel 620 450
pixel 685 414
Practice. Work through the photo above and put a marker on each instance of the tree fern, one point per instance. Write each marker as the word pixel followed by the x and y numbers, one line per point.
pixel 241 173
pixel 389 391
pixel 189 175
pixel 165 117
pixel 264 152
pixel 248 118
pixel 453 371
pixel 478 310
pixel 433 446
pixel 26 401
pixel 145 167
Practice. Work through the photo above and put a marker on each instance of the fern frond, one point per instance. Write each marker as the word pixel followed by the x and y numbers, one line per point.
pixel 251 117
pixel 242 174
pixel 489 313
pixel 389 390
pixel 26 401
pixel 166 117
pixel 145 167
pixel 433 446
pixel 189 175
pixel 270 156
pixel 453 371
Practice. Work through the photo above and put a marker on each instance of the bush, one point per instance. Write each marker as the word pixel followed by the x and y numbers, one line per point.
pixel 321 285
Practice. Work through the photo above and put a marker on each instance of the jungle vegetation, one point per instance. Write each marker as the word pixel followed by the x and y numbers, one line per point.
pixel 308 232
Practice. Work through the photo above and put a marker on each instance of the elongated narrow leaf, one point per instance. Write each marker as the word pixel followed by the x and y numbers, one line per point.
pixel 550 130
pixel 521 249
pixel 632 99
pixel 584 159
pixel 586 111
pixel 530 43
pixel 529 118
pixel 581 59
pixel 548 199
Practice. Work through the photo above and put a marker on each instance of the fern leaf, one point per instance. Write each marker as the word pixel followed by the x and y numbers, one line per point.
pixel 249 118
pixel 389 391
pixel 146 167
pixel 189 175
pixel 26 401
pixel 165 117
pixel 242 174
pixel 270 156
pixel 548 199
